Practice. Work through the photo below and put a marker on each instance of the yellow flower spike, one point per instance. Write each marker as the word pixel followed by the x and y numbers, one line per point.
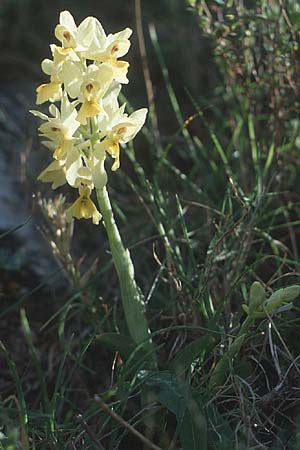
pixel 50 91
pixel 85 75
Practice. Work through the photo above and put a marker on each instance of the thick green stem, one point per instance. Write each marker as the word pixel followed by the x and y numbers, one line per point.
pixel 132 297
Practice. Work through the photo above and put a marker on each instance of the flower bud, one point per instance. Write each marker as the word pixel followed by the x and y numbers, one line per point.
pixel 257 297
pixel 280 296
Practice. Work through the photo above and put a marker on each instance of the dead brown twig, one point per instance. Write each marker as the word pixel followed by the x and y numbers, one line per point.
pixel 107 410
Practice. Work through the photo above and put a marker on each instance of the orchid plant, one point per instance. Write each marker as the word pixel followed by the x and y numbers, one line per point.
pixel 86 75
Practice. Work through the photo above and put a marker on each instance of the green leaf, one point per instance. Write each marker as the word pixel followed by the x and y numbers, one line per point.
pixel 118 343
pixel 280 296
pixel 179 398
pixel 191 352
pixel 193 432
pixel 171 394
pixel 134 357
pixel 220 434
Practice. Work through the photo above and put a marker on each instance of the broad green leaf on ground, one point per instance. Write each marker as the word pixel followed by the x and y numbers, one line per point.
pixel 179 398
pixel 134 357
pixel 125 345
pixel 195 350
pixel 220 434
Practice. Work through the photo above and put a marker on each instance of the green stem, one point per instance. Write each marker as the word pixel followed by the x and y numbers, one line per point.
pixel 132 298
pixel 219 372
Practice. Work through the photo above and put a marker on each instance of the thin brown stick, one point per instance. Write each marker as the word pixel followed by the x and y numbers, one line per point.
pixel 146 73
pixel 89 431
pixel 125 424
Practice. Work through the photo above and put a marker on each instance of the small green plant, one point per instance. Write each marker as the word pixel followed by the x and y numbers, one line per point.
pixel 259 307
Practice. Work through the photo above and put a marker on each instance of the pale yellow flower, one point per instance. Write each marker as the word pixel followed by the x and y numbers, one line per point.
pixel 48 91
pixel 85 164
pixel 55 173
pixel 60 128
pixel 52 91
pixel 66 30
pixel 88 33
pixel 84 178
pixel 60 56
pixel 73 163
pixel 88 86
pixel 115 46
pixel 84 207
pixel 120 129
